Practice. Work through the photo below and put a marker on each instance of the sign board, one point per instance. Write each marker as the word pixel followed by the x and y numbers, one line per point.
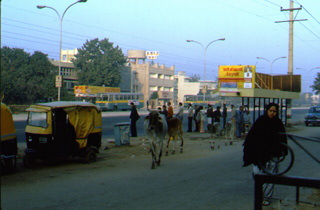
pixel 59 81
pixel 233 77
pixel 88 90
pixel 152 54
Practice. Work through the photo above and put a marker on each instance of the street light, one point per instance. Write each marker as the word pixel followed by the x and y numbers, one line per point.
pixel 308 71
pixel 271 62
pixel 204 64
pixel 60 19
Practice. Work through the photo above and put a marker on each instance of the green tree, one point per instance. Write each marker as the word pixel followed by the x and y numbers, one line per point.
pixel 316 84
pixel 99 63
pixel 26 78
pixel 154 95
pixel 194 78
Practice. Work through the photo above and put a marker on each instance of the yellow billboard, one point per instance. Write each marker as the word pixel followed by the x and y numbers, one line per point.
pixel 87 90
pixel 233 77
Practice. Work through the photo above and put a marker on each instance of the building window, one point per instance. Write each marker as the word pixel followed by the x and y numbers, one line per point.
pixel 153 75
pixel 64 57
pixel 153 88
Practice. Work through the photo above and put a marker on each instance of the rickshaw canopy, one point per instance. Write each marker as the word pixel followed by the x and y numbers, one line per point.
pixel 8 130
pixel 84 116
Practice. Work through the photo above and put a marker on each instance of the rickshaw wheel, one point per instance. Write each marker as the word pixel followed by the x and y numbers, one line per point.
pixel 29 161
pixel 90 155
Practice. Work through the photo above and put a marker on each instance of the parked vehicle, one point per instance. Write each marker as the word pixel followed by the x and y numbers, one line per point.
pixel 313 116
pixel 60 129
pixel 8 143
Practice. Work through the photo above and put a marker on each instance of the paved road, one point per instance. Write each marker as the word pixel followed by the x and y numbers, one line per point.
pixel 208 180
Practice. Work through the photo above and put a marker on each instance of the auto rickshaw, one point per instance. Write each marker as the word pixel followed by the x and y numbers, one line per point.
pixel 62 129
pixel 8 143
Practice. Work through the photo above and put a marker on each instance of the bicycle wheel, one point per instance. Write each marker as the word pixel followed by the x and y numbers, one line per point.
pixel 280 163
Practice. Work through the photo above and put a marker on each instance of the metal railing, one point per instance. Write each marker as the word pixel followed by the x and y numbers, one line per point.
pixel 261 179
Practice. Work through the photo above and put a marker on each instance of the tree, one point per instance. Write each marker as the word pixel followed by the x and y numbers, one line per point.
pixel 26 78
pixel 154 95
pixel 99 63
pixel 194 78
pixel 316 84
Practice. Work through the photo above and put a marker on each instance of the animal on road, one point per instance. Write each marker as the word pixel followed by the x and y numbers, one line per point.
pixel 156 128
pixel 174 130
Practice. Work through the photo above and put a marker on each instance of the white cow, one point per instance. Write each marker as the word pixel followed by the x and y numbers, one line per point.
pixel 156 128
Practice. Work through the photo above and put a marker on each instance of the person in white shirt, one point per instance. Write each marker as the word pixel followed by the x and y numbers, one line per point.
pixel 179 115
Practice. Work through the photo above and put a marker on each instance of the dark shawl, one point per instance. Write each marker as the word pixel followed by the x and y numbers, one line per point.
pixel 263 139
pixel 134 113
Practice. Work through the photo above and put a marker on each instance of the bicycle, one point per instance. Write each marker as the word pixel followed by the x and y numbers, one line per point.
pixel 279 162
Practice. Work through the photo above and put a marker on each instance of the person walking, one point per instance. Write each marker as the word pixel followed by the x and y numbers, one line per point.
pixel 134 117
pixel 224 115
pixel 164 111
pixel 247 118
pixel 170 111
pixel 179 115
pixel 217 115
pixel 190 117
pixel 263 138
pixel 233 111
pixel 210 115
pixel 196 121
pixel 216 119
pixel 239 121
pixel 201 117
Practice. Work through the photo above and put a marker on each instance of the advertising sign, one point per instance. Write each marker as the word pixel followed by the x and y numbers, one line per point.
pixel 59 81
pixel 152 54
pixel 233 77
pixel 87 90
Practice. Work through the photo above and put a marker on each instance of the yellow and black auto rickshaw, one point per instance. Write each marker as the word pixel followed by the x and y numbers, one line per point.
pixel 61 129
pixel 8 143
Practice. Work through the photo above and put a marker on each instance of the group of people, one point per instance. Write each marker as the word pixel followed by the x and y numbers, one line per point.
pixel 198 114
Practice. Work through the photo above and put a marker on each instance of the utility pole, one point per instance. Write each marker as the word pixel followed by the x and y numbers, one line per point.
pixel 291 21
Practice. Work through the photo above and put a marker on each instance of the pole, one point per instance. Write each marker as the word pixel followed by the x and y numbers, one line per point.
pixel 60 42
pixel 290 53
pixel 204 60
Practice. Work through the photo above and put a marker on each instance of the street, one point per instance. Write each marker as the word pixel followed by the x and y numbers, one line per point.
pixel 199 178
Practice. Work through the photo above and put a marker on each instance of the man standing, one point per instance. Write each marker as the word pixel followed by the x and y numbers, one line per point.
pixel 209 115
pixel 233 112
pixel 224 115
pixel 170 111
pixel 190 117
pixel 134 117
pixel 180 112
pixel 196 121
pixel 239 121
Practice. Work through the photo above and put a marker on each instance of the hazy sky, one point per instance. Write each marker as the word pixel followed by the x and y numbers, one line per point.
pixel 164 25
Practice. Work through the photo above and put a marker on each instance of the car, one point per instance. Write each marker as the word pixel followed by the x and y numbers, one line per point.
pixel 313 116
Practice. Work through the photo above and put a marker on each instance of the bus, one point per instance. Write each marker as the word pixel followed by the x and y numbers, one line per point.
pixel 118 101
pixel 198 100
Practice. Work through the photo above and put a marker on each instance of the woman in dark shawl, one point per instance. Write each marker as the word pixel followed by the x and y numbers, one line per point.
pixel 263 139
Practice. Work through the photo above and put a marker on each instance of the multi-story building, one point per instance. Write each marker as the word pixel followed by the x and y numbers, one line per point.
pixel 148 78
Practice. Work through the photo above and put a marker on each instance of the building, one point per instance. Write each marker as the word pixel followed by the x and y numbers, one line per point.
pixel 68 55
pixel 148 78
pixel 185 87
pixel 69 74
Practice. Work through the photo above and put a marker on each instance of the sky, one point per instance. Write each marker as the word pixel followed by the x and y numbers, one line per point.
pixel 248 27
